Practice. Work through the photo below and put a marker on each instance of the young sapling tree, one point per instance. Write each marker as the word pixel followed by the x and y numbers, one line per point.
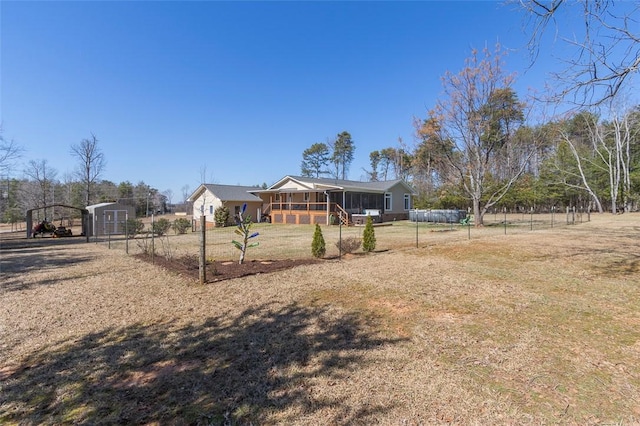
pixel 243 228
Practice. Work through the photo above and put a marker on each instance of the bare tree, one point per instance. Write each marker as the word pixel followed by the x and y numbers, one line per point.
pixel 91 164
pixel 168 195
pixel 604 55
pixel 43 178
pixel 626 128
pixel 10 151
pixel 186 191
pixel 205 177
pixel 579 174
pixel 605 152
pixel 477 121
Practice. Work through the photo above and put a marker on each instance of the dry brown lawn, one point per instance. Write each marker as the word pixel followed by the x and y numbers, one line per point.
pixel 535 327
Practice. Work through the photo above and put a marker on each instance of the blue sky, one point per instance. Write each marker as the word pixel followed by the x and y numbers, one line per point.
pixel 241 88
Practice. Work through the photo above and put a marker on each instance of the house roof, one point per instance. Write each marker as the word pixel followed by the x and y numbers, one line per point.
pixel 227 192
pixel 340 184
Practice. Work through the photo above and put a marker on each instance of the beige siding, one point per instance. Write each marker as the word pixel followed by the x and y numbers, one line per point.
pixel 210 202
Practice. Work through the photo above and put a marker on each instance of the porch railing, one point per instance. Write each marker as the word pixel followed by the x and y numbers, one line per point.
pixel 309 207
pixel 343 214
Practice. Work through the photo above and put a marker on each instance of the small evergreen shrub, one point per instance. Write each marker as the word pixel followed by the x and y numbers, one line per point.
pixel 181 225
pixel 161 226
pixel 134 227
pixel 369 236
pixel 349 244
pixel 318 246
pixel 221 216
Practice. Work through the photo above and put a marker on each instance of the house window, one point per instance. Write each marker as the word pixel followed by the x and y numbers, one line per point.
pixel 305 197
pixel 407 201
pixel 210 209
pixel 277 196
pixel 387 201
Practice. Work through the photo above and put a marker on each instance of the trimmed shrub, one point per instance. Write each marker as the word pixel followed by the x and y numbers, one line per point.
pixel 318 246
pixel 369 236
pixel 161 226
pixel 134 227
pixel 181 225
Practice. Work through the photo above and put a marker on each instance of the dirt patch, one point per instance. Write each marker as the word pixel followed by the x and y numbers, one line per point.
pixel 188 266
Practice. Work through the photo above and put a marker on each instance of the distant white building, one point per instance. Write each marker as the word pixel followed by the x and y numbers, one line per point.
pixel 208 197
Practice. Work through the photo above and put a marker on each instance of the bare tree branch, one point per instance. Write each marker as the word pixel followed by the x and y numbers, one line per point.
pixel 91 163
pixel 605 53
pixel 10 151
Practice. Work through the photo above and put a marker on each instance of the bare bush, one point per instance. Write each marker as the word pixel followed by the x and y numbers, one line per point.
pixel 167 251
pixel 146 244
pixel 349 244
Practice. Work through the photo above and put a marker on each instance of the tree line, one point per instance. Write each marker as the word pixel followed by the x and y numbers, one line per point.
pixel 479 148
pixel 41 185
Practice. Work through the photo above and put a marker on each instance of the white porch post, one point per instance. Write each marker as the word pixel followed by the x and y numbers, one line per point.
pixel 328 201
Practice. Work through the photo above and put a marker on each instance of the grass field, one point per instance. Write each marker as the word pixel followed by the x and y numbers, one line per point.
pixel 280 241
pixel 537 327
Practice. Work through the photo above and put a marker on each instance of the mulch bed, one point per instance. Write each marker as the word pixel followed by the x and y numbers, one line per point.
pixel 188 266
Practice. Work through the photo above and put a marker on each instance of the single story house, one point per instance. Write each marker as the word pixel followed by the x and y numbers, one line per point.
pixel 306 200
pixel 208 197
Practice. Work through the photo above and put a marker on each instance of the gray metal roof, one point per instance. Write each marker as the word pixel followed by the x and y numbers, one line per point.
pixel 233 192
pixel 349 185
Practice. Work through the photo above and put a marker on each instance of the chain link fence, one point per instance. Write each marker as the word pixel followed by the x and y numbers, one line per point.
pixel 284 241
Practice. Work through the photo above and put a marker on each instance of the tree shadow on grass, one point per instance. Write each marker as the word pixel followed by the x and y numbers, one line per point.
pixel 15 263
pixel 619 261
pixel 259 364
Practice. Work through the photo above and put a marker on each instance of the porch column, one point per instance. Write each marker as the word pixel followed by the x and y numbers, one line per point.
pixel 328 207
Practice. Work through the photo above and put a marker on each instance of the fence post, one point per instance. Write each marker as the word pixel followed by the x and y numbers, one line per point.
pixel 531 218
pixel 153 242
pixel 553 208
pixel 505 221
pixel 126 232
pixel 340 238
pixel 203 256
pixel 416 216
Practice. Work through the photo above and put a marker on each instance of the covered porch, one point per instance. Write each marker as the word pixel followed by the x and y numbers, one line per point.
pixel 307 213
pixel 324 208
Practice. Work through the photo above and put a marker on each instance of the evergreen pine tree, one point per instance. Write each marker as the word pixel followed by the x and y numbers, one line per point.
pixel 318 247
pixel 369 236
